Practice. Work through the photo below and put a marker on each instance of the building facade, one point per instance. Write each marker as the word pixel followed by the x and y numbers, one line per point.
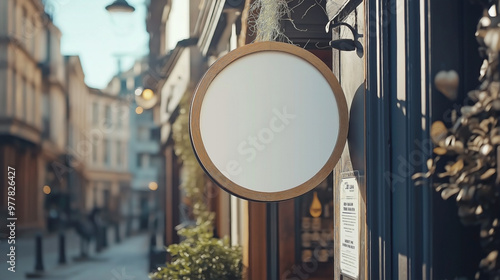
pixel 144 161
pixel 33 113
pixel 109 177
pixel 68 143
pixel 79 145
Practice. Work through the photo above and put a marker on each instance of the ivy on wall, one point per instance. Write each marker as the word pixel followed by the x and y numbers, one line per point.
pixel 192 177
pixel 199 255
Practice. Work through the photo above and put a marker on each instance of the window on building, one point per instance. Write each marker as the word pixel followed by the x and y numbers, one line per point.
pixel 106 195
pixel 33 103
pixel 95 187
pixel 120 116
pixel 123 85
pixel 142 160
pixel 34 36
pixel 148 115
pixel 108 118
pixel 143 133
pixel 24 98
pixel 95 113
pixel 24 28
pixel 167 104
pixel 71 137
pixel 155 134
pixel 137 81
pixel 139 161
pixel 94 149
pixel 119 153
pixel 155 161
pixel 107 152
pixel 28 101
pixel 14 91
pixel 45 116
pixel 169 98
pixel 13 17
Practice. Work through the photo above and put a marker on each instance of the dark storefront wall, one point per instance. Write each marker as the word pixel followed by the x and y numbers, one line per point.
pixel 411 232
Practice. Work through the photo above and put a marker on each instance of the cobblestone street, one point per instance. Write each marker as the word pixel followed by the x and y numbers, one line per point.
pixel 127 260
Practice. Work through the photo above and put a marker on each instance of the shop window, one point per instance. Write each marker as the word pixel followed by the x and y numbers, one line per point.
pixel 315 229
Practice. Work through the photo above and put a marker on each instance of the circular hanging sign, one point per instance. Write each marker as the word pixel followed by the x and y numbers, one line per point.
pixel 268 121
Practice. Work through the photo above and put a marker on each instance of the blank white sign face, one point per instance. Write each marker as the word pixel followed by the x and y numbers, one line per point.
pixel 266 123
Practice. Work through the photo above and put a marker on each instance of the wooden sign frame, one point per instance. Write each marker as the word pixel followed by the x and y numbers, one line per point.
pixel 200 149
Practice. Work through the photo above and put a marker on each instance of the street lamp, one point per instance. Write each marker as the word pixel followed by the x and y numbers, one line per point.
pixel 145 97
pixel 120 6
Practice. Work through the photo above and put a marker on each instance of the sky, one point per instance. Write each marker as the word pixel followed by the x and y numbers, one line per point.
pixel 101 38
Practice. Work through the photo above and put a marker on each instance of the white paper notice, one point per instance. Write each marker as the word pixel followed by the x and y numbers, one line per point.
pixel 349 227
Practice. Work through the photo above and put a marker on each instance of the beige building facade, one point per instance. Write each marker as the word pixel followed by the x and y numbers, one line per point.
pixel 109 177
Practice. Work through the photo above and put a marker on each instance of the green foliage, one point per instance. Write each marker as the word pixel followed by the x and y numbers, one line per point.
pixel 193 177
pixel 201 256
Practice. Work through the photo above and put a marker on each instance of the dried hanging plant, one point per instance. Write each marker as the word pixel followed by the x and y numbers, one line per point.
pixel 466 155
pixel 267 24
pixel 265 18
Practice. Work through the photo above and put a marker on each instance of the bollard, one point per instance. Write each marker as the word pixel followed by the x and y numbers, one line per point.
pixel 62 248
pixel 128 227
pixel 98 240
pixel 117 233
pixel 38 273
pixel 104 233
pixel 38 253
pixel 152 247
pixel 84 246
pixel 152 241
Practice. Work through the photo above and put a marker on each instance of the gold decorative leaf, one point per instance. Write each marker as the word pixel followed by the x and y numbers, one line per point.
pixel 449 192
pixel 438 131
pixel 488 173
pixel 440 151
